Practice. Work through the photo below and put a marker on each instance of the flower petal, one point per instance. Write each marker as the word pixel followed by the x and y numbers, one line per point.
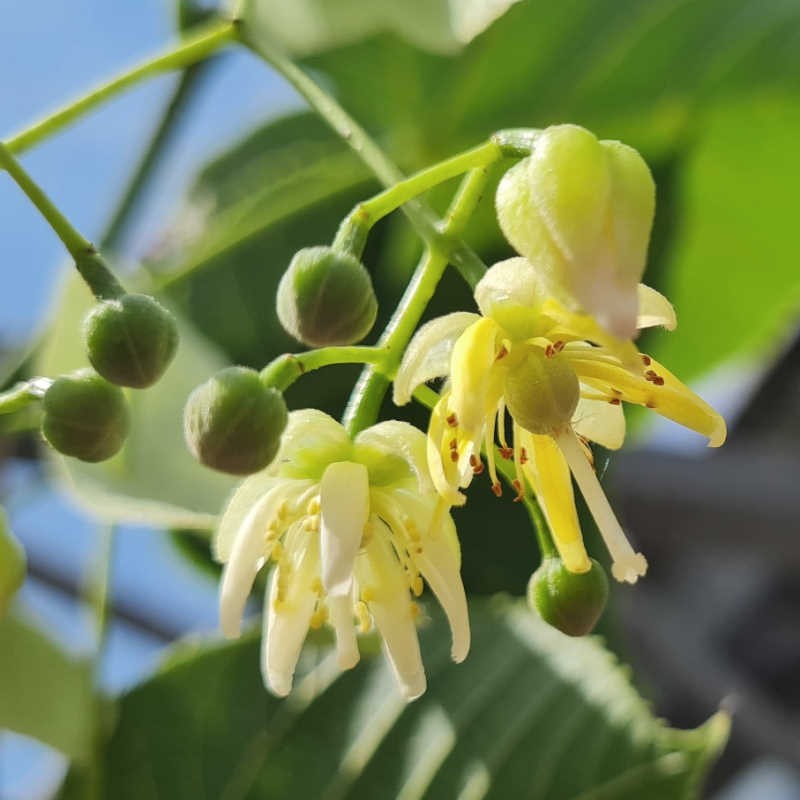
pixel 250 550
pixel 288 613
pixel 444 473
pixel 392 439
pixel 428 354
pixel 311 441
pixel 241 502
pixel 341 617
pixel 600 421
pixel 548 474
pixel 382 580
pixel 655 309
pixel 344 508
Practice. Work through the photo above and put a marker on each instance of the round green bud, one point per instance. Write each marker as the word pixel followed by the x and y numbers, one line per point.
pixel 85 416
pixel 572 602
pixel 12 564
pixel 326 298
pixel 131 339
pixel 542 392
pixel 233 423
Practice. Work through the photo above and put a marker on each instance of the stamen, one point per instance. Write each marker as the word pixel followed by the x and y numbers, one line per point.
pixel 497 489
pixel 615 401
pixel 517 484
pixel 646 360
pixel 318 618
pixel 367 594
pixel 316 586
pixel 416 611
pixel 501 353
pixel 417 586
pixel 523 455
pixel 452 420
pixel 476 464
pixel 454 444
pixel 363 616
pixel 558 346
pixel 507 453
pixel 454 455
pixel 313 506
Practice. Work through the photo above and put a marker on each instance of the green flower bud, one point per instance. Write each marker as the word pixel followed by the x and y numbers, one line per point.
pixel 326 298
pixel 12 565
pixel 85 416
pixel 572 602
pixel 233 423
pixel 542 392
pixel 581 211
pixel 131 339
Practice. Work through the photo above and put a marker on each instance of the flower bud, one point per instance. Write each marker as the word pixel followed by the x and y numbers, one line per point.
pixel 326 298
pixel 85 416
pixel 571 602
pixel 131 339
pixel 581 211
pixel 542 392
pixel 12 565
pixel 233 423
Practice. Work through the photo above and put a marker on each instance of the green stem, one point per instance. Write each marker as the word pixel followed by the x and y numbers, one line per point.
pixel 18 397
pixel 422 218
pixel 283 371
pixel 368 394
pixel 189 51
pixel 90 264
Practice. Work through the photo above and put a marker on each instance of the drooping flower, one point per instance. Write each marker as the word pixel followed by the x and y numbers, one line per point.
pixel 353 527
pixel 561 377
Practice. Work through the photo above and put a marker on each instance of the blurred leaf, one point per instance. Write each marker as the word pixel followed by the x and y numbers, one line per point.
pixel 44 693
pixel 304 27
pixel 530 711
pixel 153 480
pixel 12 564
pixel 733 273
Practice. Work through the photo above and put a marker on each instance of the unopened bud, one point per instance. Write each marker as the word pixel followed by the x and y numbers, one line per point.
pixel 581 211
pixel 85 416
pixel 131 339
pixel 326 298
pixel 571 602
pixel 233 423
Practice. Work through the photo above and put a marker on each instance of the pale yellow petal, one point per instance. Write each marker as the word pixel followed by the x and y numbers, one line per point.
pixel 600 421
pixel 344 509
pixel 444 473
pixel 393 439
pixel 548 474
pixel 655 309
pixel 341 618
pixel 428 353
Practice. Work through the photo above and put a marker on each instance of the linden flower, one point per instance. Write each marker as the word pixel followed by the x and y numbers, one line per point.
pixel 353 528
pixel 562 379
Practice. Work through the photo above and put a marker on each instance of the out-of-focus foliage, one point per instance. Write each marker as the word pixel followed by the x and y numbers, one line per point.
pixel 530 712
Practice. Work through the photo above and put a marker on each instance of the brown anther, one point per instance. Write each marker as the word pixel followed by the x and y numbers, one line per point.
pixel 549 351
pixel 452 420
pixel 507 453
pixel 454 444
pixel 476 464
pixel 646 360
pixel 520 491
pixel 501 353
pixel 615 401
pixel 497 489
pixel 558 346
pixel 523 456
pixel 454 455
pixel 650 404
pixel 658 380
pixel 652 376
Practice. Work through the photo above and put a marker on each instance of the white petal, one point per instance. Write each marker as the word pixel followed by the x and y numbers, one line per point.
pixel 379 570
pixel 341 617
pixel 397 438
pixel 286 623
pixel 600 421
pixel 239 505
pixel 428 354
pixel 344 504
pixel 311 441
pixel 248 553
pixel 655 309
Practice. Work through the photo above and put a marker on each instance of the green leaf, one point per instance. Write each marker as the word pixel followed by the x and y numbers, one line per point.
pixel 530 712
pixel 12 564
pixel 304 27
pixel 44 693
pixel 732 274
pixel 154 479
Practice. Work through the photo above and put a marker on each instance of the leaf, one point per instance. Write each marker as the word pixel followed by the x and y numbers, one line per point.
pixel 154 479
pixel 304 27
pixel 733 273
pixel 530 712
pixel 12 564
pixel 44 693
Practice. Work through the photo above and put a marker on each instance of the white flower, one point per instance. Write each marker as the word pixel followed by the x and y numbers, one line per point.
pixel 354 527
